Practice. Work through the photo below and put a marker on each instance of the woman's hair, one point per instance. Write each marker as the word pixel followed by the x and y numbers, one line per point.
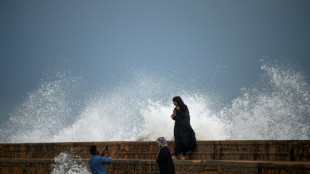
pixel 93 149
pixel 180 102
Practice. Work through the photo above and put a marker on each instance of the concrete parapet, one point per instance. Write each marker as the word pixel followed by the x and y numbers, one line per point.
pixel 124 166
pixel 297 150
pixel 210 157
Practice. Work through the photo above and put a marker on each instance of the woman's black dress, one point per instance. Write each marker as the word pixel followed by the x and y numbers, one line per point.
pixel 165 162
pixel 184 135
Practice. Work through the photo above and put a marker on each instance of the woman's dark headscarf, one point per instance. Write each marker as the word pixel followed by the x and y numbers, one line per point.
pixel 180 102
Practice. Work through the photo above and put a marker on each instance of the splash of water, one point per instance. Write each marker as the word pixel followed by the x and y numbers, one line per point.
pixel 207 126
pixel 278 111
pixel 44 110
pixel 141 109
pixel 69 163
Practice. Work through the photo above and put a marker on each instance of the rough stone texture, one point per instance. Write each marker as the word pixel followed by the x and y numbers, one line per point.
pixel 25 166
pixel 214 157
pixel 38 166
pixel 217 150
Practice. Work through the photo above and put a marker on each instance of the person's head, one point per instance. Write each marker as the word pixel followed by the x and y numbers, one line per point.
pixel 161 141
pixel 93 150
pixel 177 101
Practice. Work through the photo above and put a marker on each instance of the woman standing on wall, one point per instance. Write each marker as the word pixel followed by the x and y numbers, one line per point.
pixel 184 135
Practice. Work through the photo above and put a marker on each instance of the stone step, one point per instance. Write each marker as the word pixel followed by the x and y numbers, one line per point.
pixel 273 150
pixel 124 166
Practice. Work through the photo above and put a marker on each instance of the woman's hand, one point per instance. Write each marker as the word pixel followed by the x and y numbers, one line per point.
pixel 173 115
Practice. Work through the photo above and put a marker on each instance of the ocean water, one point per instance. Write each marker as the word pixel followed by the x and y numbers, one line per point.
pixel 69 163
pixel 276 107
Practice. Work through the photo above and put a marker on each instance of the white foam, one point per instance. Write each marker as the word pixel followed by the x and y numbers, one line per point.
pixel 280 111
pixel 141 108
pixel 68 163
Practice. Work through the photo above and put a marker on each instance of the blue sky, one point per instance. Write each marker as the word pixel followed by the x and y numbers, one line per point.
pixel 215 46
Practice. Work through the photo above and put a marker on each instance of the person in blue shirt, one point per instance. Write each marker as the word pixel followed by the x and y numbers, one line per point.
pixel 96 162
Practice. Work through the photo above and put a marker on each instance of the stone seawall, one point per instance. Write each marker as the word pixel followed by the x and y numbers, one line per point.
pixel 256 157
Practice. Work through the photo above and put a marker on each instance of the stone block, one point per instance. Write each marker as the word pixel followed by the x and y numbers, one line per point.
pixel 11 148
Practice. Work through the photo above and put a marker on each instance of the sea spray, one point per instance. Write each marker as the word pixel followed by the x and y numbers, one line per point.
pixel 278 107
pixel 278 110
pixel 114 115
pixel 207 126
pixel 69 163
pixel 43 113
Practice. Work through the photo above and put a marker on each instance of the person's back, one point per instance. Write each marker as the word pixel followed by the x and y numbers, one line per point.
pixel 96 163
pixel 164 159
pixel 165 162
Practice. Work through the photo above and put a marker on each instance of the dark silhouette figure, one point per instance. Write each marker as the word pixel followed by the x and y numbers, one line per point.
pixel 164 158
pixel 184 135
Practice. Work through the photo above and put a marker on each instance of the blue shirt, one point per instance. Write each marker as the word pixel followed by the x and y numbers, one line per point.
pixel 96 164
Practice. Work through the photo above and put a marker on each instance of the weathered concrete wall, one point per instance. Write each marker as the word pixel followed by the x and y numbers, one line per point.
pixel 215 157
pixel 43 166
pixel 25 166
pixel 217 150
